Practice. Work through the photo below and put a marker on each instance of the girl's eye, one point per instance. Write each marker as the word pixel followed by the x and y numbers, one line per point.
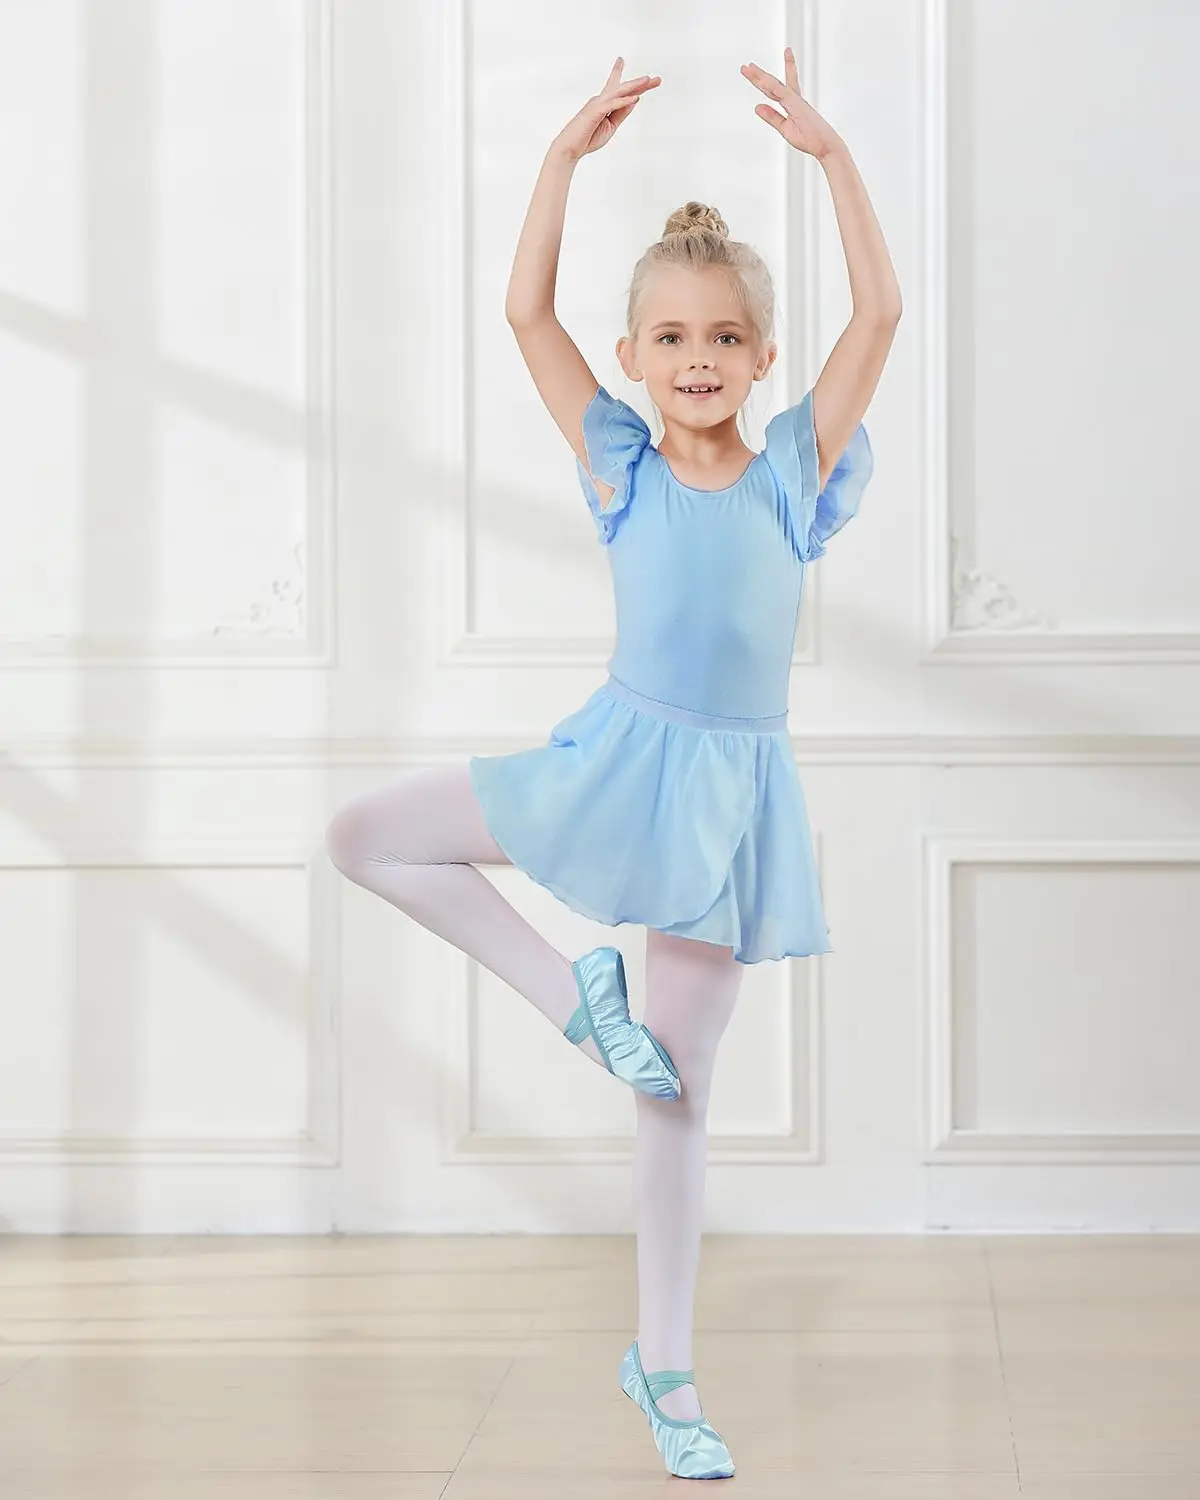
pixel 732 336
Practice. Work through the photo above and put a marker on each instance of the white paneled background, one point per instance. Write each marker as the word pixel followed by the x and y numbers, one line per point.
pixel 282 517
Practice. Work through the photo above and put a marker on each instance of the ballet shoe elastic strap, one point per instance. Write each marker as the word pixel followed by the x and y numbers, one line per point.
pixel 579 1026
pixel 663 1381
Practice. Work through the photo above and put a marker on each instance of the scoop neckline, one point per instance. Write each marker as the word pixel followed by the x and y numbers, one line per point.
pixel 691 488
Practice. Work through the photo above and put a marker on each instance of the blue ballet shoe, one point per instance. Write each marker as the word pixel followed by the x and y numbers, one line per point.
pixel 629 1049
pixel 691 1449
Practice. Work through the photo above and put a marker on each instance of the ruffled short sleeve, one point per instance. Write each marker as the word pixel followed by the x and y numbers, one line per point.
pixel 791 449
pixel 615 438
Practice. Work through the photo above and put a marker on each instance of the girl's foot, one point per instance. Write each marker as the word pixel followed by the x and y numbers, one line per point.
pixel 683 1404
pixel 690 1446
pixel 588 1043
pixel 628 1049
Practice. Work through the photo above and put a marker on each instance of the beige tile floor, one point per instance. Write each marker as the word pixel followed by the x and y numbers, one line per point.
pixel 484 1368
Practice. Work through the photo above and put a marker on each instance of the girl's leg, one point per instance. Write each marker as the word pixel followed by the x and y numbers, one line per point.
pixel 691 989
pixel 415 842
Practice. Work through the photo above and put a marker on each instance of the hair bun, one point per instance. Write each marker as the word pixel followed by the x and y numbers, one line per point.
pixel 694 217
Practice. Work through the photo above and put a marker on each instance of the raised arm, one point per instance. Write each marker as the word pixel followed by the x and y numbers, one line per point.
pixel 843 390
pixel 561 374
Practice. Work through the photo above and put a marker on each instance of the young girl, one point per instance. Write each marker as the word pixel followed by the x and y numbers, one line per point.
pixel 670 798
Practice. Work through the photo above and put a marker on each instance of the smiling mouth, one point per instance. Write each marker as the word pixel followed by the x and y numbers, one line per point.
pixel 698 390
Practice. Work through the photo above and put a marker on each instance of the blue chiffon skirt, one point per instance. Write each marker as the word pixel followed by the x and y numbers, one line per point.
pixel 639 811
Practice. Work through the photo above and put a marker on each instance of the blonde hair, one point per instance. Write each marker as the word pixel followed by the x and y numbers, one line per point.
pixel 696 236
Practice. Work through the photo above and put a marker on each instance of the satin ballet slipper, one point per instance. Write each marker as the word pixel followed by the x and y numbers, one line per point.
pixel 691 1449
pixel 629 1049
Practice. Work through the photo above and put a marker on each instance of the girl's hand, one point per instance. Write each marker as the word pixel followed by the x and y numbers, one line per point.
pixel 802 127
pixel 596 123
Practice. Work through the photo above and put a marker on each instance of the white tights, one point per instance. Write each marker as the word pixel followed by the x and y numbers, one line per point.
pixel 415 842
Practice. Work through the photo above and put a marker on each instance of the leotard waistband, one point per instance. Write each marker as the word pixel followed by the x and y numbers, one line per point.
pixel 767 724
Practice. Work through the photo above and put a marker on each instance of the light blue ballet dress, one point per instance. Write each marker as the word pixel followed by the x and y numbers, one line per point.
pixel 670 798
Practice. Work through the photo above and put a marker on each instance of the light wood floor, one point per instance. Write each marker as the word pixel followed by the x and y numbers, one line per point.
pixel 898 1368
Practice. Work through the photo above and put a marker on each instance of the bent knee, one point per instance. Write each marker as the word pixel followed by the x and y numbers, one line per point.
pixel 346 839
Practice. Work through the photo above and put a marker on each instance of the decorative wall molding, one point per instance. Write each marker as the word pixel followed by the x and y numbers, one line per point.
pixel 983 602
pixel 319 1145
pixel 281 610
pixel 968 616
pixel 947 1142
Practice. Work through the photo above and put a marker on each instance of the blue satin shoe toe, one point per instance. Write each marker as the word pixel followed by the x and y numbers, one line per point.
pixel 630 1049
pixel 692 1449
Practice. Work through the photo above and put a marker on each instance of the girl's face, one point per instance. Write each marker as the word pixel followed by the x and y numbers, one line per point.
pixel 694 332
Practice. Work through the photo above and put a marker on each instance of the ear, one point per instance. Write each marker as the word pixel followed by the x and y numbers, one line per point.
pixel 625 351
pixel 766 359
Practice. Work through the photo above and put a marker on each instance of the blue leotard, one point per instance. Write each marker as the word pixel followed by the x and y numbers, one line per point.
pixel 671 798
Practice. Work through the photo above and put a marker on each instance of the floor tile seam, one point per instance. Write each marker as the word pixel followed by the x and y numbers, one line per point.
pixel 500 1384
pixel 1008 1408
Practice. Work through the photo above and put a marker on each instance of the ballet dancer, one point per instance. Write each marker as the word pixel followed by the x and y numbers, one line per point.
pixel 670 798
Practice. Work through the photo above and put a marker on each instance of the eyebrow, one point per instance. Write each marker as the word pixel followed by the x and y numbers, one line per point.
pixel 678 323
